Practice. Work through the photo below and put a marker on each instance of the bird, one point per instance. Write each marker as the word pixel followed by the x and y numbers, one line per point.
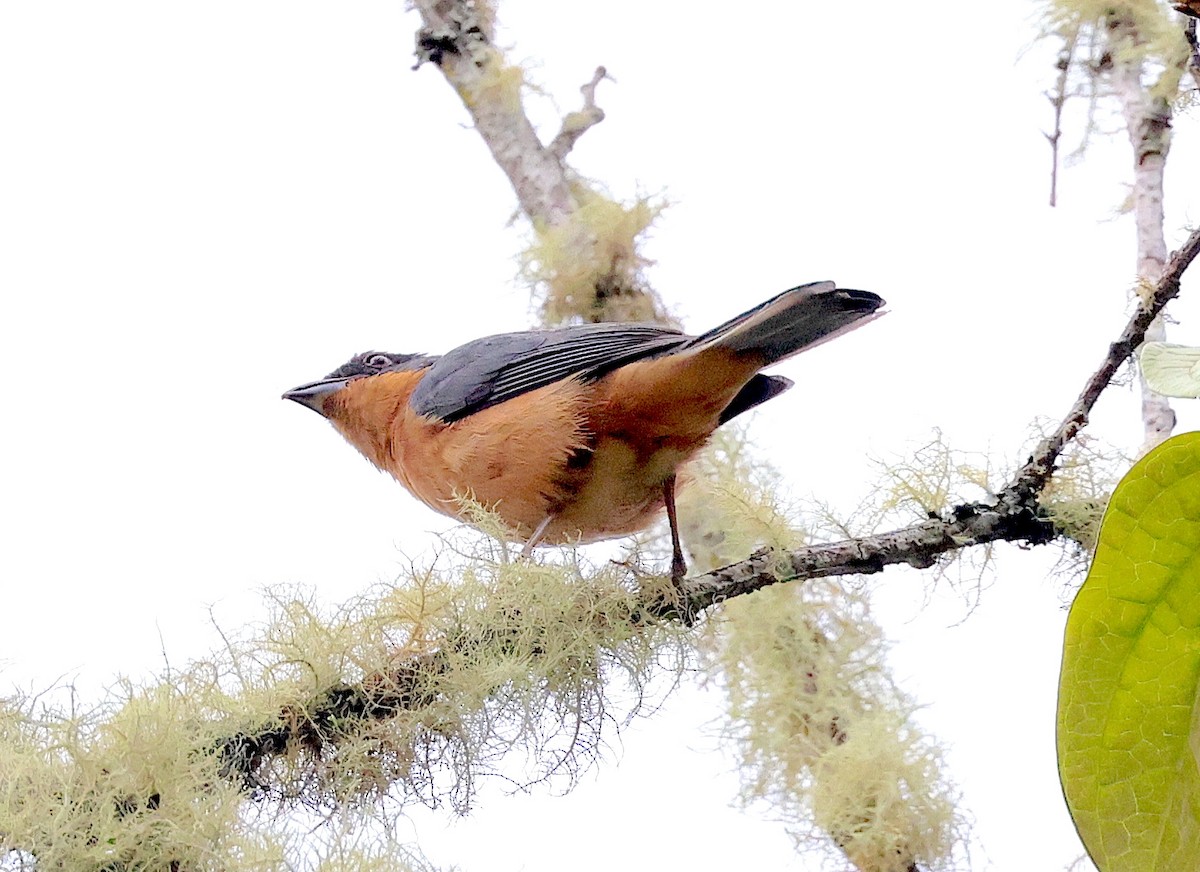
pixel 573 434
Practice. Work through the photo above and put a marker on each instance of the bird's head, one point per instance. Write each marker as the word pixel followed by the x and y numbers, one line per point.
pixel 363 397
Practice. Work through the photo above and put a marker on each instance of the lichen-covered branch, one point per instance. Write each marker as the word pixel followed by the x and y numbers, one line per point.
pixel 457 37
pixel 443 680
pixel 585 260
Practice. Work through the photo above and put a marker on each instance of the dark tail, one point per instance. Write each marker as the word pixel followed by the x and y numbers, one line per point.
pixel 793 321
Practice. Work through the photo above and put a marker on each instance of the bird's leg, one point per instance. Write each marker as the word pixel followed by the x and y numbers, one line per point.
pixel 678 564
pixel 537 536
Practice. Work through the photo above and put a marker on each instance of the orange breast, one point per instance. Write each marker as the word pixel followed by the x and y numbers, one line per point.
pixel 514 458
pixel 594 456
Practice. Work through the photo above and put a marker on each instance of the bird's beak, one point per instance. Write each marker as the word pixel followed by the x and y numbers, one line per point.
pixel 313 394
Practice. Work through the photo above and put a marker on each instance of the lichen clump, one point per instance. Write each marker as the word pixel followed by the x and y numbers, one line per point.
pixel 1140 31
pixel 590 267
pixel 730 504
pixel 823 735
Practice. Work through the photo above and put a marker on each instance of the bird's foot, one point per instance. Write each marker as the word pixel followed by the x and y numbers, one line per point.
pixel 678 571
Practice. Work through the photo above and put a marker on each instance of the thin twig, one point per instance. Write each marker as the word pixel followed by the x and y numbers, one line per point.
pixel 1037 471
pixel 1057 99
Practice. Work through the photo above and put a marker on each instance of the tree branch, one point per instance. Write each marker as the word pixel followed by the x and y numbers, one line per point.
pixel 1015 516
pixel 1036 472
pixel 586 246
pixel 919 545
pixel 457 38
pixel 1147 113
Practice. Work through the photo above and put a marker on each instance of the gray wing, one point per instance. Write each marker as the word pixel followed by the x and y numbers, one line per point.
pixel 491 370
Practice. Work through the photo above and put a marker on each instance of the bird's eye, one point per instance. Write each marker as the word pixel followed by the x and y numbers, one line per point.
pixel 378 361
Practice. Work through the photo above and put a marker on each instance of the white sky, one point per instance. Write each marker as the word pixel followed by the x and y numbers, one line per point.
pixel 204 204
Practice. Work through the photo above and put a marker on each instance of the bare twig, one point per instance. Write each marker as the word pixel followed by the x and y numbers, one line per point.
pixel 578 123
pixel 1036 472
pixel 919 545
pixel 1057 99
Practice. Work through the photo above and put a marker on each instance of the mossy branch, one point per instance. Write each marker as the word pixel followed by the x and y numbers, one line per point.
pixel 514 649
pixel 585 259
pixel 458 38
pixel 413 692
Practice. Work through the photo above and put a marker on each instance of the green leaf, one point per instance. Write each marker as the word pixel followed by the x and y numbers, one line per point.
pixel 1127 731
pixel 1171 370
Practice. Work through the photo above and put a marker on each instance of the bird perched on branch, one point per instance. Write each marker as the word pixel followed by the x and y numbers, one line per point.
pixel 573 434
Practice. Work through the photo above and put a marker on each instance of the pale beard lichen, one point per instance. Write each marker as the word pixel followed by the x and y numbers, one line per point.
pixel 411 692
pixel 1145 31
pixel 823 735
pixel 590 267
